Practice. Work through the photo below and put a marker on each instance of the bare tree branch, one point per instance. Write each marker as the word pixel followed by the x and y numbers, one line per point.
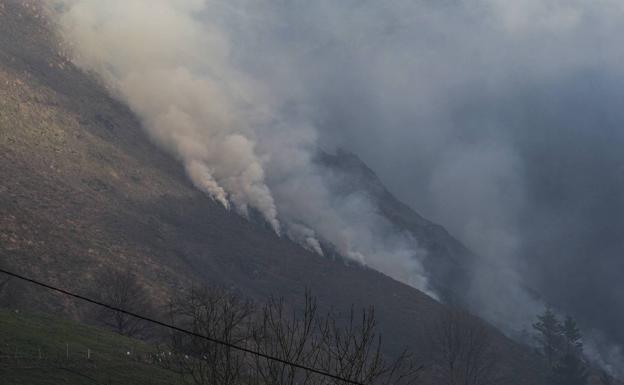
pixel 462 347
pixel 216 313
pixel 350 348
pixel 123 290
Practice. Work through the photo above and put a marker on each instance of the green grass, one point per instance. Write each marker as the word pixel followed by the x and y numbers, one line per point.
pixel 33 351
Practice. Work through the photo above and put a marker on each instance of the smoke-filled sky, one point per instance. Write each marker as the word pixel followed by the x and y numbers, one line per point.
pixel 502 120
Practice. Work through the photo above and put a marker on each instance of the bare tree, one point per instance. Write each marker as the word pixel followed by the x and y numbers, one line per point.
pixel 350 349
pixel 215 313
pixel 462 350
pixel 122 289
pixel 289 336
pixel 353 350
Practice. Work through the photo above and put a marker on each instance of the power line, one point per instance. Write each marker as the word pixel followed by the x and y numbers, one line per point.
pixel 178 329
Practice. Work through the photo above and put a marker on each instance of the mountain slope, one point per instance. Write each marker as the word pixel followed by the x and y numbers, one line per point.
pixel 82 188
pixel 446 261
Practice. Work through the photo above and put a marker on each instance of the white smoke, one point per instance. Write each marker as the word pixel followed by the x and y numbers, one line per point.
pixel 175 73
pixel 173 63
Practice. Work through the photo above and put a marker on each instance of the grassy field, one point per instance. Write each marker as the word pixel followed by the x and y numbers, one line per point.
pixel 43 350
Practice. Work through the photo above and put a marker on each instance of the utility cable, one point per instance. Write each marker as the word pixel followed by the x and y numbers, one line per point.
pixel 178 329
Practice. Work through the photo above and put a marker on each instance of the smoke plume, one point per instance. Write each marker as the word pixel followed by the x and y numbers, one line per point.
pixel 500 119
pixel 174 73
pixel 240 140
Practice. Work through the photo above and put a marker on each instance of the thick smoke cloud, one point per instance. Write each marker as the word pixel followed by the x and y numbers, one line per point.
pixel 499 119
pixel 174 72
pixel 241 141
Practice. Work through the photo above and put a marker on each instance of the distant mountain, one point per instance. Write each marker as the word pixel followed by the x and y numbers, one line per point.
pixel 83 188
pixel 447 261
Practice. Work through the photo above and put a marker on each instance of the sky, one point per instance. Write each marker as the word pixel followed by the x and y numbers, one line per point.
pixel 501 120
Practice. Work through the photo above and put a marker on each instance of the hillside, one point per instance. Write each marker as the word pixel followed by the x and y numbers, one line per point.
pixel 45 350
pixel 83 188
pixel 447 260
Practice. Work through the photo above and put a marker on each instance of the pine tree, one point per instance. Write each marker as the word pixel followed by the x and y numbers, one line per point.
pixel 572 336
pixel 549 336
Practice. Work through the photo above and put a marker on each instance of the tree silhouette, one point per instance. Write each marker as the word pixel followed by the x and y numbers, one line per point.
pixel 549 336
pixel 349 348
pixel 572 335
pixel 122 290
pixel 216 313
pixel 462 350
pixel 562 347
